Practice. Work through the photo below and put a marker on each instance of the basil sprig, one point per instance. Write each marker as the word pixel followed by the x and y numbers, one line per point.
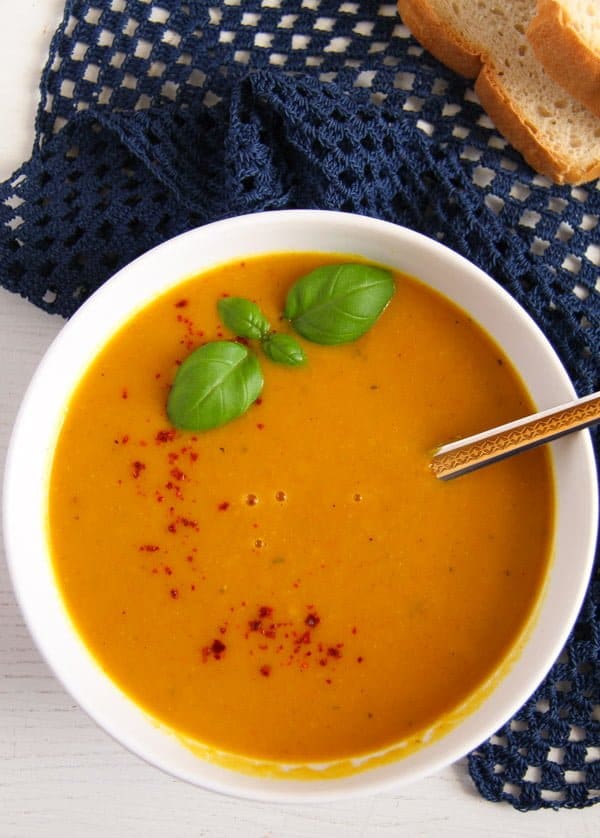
pixel 283 349
pixel 338 303
pixel 243 317
pixel 215 384
pixel 331 305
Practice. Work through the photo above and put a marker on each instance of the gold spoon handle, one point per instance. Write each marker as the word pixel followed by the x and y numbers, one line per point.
pixel 468 454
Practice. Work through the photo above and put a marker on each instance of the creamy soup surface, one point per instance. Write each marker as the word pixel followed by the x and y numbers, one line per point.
pixel 296 585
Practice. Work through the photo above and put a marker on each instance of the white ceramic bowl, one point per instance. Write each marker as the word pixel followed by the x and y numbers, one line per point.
pixel 43 408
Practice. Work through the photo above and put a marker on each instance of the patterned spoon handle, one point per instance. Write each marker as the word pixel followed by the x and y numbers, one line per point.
pixel 479 450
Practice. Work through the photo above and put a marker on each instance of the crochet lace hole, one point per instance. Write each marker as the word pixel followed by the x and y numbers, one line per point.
pixel 158 15
pixel 50 296
pixel 136 227
pixel 47 268
pixel 110 259
pixel 75 236
pixel 15 271
pixel 105 230
pixel 80 293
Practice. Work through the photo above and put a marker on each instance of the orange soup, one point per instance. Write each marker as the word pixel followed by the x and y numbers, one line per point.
pixel 296 586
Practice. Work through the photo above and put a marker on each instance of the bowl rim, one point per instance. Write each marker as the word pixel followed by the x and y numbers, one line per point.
pixel 84 325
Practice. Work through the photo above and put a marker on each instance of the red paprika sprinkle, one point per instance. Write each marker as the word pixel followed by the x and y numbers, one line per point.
pixel 136 469
pixel 312 620
pixel 174 593
pixel 181 304
pixel 124 393
pixel 165 436
pixel 265 670
pixel 265 611
pixel 216 650
pixel 177 474
pixel 260 426
pixel 333 652
pixel 172 487
pixel 224 505
pixel 148 548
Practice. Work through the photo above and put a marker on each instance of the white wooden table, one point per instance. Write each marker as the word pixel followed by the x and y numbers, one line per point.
pixel 60 775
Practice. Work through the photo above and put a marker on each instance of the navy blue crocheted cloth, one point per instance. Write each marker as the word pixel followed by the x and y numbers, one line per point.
pixel 156 117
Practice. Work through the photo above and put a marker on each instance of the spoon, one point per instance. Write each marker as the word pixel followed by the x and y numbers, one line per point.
pixel 473 452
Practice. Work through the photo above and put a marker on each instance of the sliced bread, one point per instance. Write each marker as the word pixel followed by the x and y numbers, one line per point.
pixel 565 36
pixel 486 40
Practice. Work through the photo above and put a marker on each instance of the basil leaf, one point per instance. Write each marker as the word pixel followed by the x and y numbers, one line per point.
pixel 243 317
pixel 215 384
pixel 283 349
pixel 338 303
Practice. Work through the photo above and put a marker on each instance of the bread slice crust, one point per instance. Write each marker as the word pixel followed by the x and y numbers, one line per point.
pixel 448 45
pixel 567 57
pixel 474 60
